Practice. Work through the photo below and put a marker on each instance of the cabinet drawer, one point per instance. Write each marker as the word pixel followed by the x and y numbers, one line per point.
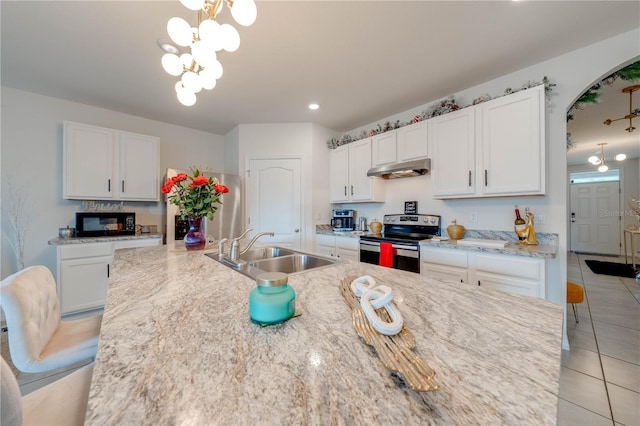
pixel 77 251
pixel 325 240
pixel 348 243
pixel 447 257
pixel 514 266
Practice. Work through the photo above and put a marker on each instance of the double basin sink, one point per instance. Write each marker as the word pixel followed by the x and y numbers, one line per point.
pixel 274 259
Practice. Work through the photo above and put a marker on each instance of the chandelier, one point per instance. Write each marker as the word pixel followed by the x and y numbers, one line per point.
pixel 599 161
pixel 632 113
pixel 200 69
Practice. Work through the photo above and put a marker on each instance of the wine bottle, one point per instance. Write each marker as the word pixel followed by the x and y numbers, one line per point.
pixel 520 224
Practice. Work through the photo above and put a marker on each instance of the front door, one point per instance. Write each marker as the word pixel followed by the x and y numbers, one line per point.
pixel 275 200
pixel 595 217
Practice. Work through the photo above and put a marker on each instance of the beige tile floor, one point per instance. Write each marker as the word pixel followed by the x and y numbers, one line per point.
pixel 600 375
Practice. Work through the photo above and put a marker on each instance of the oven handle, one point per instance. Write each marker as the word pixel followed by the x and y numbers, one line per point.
pixel 402 250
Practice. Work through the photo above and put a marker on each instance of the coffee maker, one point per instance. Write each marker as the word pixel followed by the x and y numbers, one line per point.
pixel 343 220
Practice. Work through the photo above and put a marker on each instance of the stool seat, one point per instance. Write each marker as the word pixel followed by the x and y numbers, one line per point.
pixel 575 294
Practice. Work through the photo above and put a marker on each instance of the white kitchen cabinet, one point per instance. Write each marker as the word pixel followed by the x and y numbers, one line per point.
pixel 384 149
pixel 108 164
pixel 83 272
pixel 346 248
pixel 496 148
pixel 514 274
pixel 139 172
pixel 348 180
pixel 513 144
pixel 412 141
pixel 453 154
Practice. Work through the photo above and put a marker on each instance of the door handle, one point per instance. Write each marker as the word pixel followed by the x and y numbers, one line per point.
pixel 469 177
pixel 108 185
pixel 351 189
pixel 123 186
pixel 345 190
pixel 485 177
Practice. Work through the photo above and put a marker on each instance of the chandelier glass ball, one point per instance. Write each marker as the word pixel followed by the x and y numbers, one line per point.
pixel 200 69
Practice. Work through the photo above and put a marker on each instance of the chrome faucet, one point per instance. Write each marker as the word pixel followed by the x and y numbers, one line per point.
pixel 235 253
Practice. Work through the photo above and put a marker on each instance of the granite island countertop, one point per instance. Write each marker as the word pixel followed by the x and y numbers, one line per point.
pixel 177 346
pixel 58 241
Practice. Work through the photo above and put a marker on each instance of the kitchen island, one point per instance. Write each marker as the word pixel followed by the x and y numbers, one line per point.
pixel 177 347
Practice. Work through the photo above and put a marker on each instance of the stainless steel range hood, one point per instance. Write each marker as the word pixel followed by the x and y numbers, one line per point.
pixel 398 170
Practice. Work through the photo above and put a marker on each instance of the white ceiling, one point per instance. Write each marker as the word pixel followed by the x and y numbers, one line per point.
pixel 361 61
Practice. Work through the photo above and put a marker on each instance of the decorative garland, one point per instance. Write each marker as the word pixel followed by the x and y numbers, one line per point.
pixel 442 107
pixel 592 94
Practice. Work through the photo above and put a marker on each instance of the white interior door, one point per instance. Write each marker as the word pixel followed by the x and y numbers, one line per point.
pixel 274 196
pixel 595 218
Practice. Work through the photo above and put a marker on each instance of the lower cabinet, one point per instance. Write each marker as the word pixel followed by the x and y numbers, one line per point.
pixel 346 248
pixel 514 274
pixel 83 272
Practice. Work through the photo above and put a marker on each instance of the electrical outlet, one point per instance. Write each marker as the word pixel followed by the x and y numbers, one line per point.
pixel 540 218
pixel 473 218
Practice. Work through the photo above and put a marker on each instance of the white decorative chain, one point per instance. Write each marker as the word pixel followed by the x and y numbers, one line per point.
pixel 374 297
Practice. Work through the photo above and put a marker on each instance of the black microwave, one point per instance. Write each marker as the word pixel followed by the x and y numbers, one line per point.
pixel 104 224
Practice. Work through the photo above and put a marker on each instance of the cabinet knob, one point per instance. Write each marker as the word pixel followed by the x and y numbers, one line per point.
pixel 297 230
pixel 478 282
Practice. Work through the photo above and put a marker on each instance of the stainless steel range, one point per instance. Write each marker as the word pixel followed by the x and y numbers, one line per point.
pixel 404 233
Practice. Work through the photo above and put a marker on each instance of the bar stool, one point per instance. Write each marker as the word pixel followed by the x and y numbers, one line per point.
pixel 575 294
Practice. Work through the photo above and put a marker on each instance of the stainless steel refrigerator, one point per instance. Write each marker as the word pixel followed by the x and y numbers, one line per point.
pixel 227 222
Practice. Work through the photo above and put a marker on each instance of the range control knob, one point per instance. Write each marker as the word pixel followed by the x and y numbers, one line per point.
pixel 432 220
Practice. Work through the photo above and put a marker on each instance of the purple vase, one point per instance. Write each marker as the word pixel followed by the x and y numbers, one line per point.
pixel 195 240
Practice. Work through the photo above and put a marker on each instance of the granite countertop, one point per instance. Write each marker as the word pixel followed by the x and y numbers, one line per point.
pixel 177 346
pixel 547 243
pixel 84 240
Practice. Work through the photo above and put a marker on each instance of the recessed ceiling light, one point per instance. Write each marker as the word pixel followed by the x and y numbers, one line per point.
pixel 166 46
pixel 314 106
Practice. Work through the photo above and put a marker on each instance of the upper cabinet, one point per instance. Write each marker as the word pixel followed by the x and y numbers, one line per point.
pixel 384 149
pixel 108 164
pixel 493 149
pixel 404 144
pixel 348 180
pixel 412 141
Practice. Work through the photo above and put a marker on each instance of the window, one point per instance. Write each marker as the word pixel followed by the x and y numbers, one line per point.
pixel 611 175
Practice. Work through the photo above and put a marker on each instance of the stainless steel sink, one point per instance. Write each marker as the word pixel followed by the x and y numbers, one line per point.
pixel 291 264
pixel 260 253
pixel 275 259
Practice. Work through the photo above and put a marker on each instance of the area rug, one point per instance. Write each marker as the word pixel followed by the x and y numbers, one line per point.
pixel 611 268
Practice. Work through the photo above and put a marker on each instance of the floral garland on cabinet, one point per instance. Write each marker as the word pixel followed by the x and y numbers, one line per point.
pixel 442 107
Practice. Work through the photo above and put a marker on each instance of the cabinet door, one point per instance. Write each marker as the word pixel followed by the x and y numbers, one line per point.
pixel 87 162
pixel 442 272
pixel 412 142
pixel 452 138
pixel 83 283
pixel 351 255
pixel 507 283
pixel 361 186
pixel 139 171
pixel 384 150
pixel 339 174
pixel 513 147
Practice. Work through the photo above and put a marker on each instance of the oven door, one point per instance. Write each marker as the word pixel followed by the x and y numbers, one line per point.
pixel 406 256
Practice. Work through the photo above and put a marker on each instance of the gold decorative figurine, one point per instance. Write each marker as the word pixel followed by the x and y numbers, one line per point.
pixel 527 234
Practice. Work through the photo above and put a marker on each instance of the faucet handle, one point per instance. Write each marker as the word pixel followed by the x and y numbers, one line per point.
pixel 221 246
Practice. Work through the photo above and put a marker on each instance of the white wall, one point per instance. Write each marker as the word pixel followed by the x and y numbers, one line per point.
pixel 32 159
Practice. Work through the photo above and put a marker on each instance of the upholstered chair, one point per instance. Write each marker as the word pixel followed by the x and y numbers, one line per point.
pixel 38 339
pixel 63 402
